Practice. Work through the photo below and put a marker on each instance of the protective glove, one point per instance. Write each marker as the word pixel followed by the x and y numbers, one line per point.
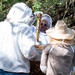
pixel 43 69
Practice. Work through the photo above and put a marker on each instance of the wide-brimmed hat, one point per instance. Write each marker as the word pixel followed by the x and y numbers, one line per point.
pixel 48 19
pixel 61 31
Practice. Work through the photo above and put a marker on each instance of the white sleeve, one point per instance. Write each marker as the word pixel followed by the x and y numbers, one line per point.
pixel 26 43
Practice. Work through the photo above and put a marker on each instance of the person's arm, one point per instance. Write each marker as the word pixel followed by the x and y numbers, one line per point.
pixel 26 43
pixel 44 57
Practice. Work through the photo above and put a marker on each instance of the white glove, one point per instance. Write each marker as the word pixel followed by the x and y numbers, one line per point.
pixel 38 12
pixel 43 69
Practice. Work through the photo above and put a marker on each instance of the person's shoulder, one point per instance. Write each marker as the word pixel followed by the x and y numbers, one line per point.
pixel 26 30
pixel 73 48
pixel 48 46
pixel 2 23
pixel 33 28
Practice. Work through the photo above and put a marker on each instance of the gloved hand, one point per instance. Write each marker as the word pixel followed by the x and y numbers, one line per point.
pixel 43 69
pixel 38 12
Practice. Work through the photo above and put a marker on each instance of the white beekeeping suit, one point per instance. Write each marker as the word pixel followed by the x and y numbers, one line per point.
pixel 17 40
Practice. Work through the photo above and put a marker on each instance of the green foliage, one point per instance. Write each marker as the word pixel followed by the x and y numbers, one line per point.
pixel 46 5
pixel 37 5
pixel 56 8
pixel 5 5
pixel 0 6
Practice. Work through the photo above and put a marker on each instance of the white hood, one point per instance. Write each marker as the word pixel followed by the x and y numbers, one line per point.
pixel 19 13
